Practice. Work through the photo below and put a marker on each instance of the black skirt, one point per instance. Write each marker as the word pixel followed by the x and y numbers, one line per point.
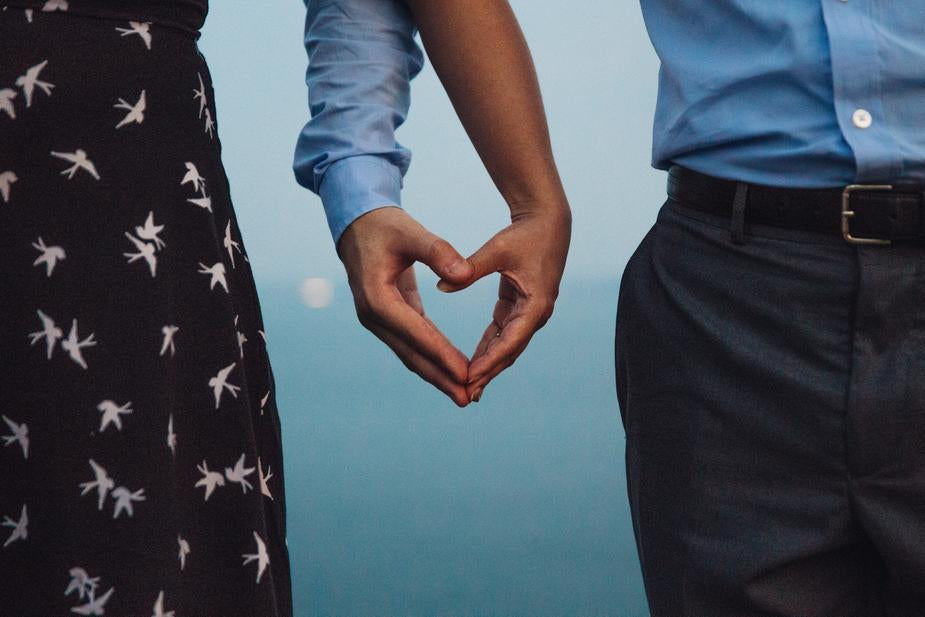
pixel 141 466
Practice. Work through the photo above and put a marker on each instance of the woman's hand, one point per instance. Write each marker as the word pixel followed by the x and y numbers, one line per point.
pixel 530 255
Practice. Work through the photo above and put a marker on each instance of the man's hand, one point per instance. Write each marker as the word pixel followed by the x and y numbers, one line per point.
pixel 530 255
pixel 379 250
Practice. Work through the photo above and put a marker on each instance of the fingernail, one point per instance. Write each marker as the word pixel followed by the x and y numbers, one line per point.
pixel 443 286
pixel 477 394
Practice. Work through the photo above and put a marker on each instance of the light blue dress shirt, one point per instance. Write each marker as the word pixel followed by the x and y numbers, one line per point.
pixel 799 93
pixel 362 56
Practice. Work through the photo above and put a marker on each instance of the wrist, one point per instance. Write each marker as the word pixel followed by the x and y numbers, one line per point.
pixel 553 207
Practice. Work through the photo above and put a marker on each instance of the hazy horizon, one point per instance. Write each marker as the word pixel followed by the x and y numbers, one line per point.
pixel 398 502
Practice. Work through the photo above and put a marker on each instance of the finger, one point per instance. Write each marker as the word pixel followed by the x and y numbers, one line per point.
pixel 408 288
pixel 491 332
pixel 423 367
pixel 440 256
pixel 483 262
pixel 501 351
pixel 394 314
pixel 502 312
pixel 476 389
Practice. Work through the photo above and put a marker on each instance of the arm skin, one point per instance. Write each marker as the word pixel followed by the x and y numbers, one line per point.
pixel 362 56
pixel 480 55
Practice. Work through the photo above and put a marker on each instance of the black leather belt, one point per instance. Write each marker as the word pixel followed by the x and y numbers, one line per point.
pixel 878 214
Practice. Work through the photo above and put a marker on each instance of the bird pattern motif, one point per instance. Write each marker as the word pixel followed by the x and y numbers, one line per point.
pixel 131 370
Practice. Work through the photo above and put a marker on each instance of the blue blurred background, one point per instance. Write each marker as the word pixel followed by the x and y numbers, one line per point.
pixel 398 502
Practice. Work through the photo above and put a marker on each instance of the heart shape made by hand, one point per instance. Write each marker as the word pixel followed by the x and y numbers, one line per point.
pixel 379 250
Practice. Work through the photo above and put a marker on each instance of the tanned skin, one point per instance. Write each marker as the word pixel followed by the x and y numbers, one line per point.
pixel 482 59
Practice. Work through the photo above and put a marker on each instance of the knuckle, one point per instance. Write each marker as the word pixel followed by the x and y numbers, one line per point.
pixel 366 311
pixel 410 366
pixel 374 305
pixel 501 246
pixel 438 246
pixel 439 252
pixel 546 315
pixel 545 310
pixel 363 315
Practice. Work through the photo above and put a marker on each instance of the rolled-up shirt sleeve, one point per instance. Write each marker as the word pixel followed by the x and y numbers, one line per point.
pixel 362 57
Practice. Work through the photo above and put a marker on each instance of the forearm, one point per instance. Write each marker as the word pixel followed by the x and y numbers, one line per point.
pixel 481 56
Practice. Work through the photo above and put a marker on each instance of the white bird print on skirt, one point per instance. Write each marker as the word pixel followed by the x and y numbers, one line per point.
pixel 111 413
pixel 55 5
pixel 199 185
pixel 261 557
pixel 50 256
pixel 145 251
pixel 263 401
pixel 80 160
pixel 20 527
pixel 169 332
pixel 217 271
pixel 30 80
pixel 204 202
pixel 81 583
pixel 210 124
pixel 219 383
pixel 29 15
pixel 209 479
pixel 6 102
pixel 102 483
pixel 241 338
pixel 150 231
pixel 230 244
pixel 141 28
pixel 73 345
pixel 239 474
pixel 19 435
pixel 159 607
pixel 124 498
pixel 50 332
pixel 136 112
pixel 200 95
pixel 171 436
pixel 192 175
pixel 95 606
pixel 184 550
pixel 264 488
pixel 7 178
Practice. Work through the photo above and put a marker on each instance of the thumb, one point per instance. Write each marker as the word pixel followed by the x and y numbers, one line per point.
pixel 443 259
pixel 482 263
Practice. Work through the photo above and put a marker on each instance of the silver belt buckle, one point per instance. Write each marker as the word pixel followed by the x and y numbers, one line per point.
pixel 847 213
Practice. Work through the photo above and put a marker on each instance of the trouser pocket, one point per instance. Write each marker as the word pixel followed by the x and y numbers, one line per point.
pixel 625 308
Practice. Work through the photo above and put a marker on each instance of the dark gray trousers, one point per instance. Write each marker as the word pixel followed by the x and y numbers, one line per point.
pixel 773 396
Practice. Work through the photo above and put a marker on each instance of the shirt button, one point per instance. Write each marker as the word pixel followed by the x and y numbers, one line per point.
pixel 861 118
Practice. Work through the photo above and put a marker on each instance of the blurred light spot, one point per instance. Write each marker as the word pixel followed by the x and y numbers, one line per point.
pixel 317 292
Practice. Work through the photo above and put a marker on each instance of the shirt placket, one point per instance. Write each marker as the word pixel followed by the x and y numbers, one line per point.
pixel 857 89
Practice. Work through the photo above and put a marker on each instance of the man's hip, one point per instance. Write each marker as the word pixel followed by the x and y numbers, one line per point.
pixel 768 379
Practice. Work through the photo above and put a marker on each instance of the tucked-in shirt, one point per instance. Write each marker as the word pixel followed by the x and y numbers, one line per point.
pixel 804 93
pixel 795 93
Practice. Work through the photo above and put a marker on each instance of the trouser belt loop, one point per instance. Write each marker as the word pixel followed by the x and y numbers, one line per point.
pixel 737 226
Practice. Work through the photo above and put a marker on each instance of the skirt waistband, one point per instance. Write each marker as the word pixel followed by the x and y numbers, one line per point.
pixel 186 15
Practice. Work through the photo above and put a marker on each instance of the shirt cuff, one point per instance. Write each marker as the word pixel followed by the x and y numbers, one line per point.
pixel 353 186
